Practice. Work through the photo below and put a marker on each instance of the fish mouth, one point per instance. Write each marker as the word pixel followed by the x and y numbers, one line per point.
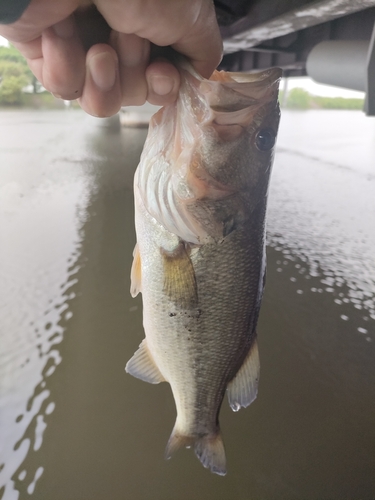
pixel 227 91
pixel 231 92
pixel 268 77
pixel 265 77
pixel 259 87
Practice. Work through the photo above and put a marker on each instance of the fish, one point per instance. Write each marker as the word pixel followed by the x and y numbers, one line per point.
pixel 200 193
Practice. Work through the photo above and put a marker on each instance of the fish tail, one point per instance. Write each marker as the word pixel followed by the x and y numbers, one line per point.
pixel 208 448
pixel 176 441
pixel 210 451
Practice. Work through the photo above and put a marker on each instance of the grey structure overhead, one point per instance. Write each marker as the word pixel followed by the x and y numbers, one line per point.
pixel 259 34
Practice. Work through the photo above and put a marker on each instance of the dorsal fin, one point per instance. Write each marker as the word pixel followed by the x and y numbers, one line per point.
pixel 243 388
pixel 142 366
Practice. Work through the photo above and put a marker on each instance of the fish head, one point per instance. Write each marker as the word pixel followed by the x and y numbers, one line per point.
pixel 236 133
pixel 209 155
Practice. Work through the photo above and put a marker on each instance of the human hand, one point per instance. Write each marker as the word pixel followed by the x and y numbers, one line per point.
pixel 105 76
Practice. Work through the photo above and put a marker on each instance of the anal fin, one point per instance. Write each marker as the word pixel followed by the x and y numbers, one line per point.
pixel 243 388
pixel 135 273
pixel 142 366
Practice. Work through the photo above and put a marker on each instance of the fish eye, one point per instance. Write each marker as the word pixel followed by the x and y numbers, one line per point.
pixel 265 139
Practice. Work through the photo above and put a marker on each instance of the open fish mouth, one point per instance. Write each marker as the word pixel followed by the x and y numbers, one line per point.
pixel 267 77
pixel 255 89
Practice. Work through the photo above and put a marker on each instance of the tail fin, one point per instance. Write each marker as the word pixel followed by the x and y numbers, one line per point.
pixel 209 449
pixel 177 441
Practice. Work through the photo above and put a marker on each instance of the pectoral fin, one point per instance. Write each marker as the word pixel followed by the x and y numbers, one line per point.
pixel 243 389
pixel 142 366
pixel 179 277
pixel 135 273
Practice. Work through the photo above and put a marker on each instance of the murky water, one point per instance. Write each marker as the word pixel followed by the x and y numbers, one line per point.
pixel 75 426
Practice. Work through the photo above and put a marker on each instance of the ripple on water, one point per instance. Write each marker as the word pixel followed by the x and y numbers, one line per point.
pixel 38 270
pixel 324 216
pixel 26 403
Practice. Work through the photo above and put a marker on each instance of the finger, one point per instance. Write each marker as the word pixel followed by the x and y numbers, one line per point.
pixel 32 51
pixel 57 59
pixel 102 92
pixel 64 60
pixel 133 53
pixel 202 44
pixel 190 26
pixel 163 81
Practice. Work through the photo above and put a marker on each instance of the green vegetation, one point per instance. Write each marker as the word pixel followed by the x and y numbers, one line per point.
pixel 15 75
pixel 298 99
pixel 301 99
pixel 339 103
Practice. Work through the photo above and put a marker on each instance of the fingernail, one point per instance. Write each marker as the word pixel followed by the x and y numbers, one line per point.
pixel 64 29
pixel 161 85
pixel 103 69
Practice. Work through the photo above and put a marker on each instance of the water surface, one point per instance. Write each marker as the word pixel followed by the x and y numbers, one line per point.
pixel 74 426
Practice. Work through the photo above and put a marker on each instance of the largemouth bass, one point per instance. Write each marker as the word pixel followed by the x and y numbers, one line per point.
pixel 200 205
